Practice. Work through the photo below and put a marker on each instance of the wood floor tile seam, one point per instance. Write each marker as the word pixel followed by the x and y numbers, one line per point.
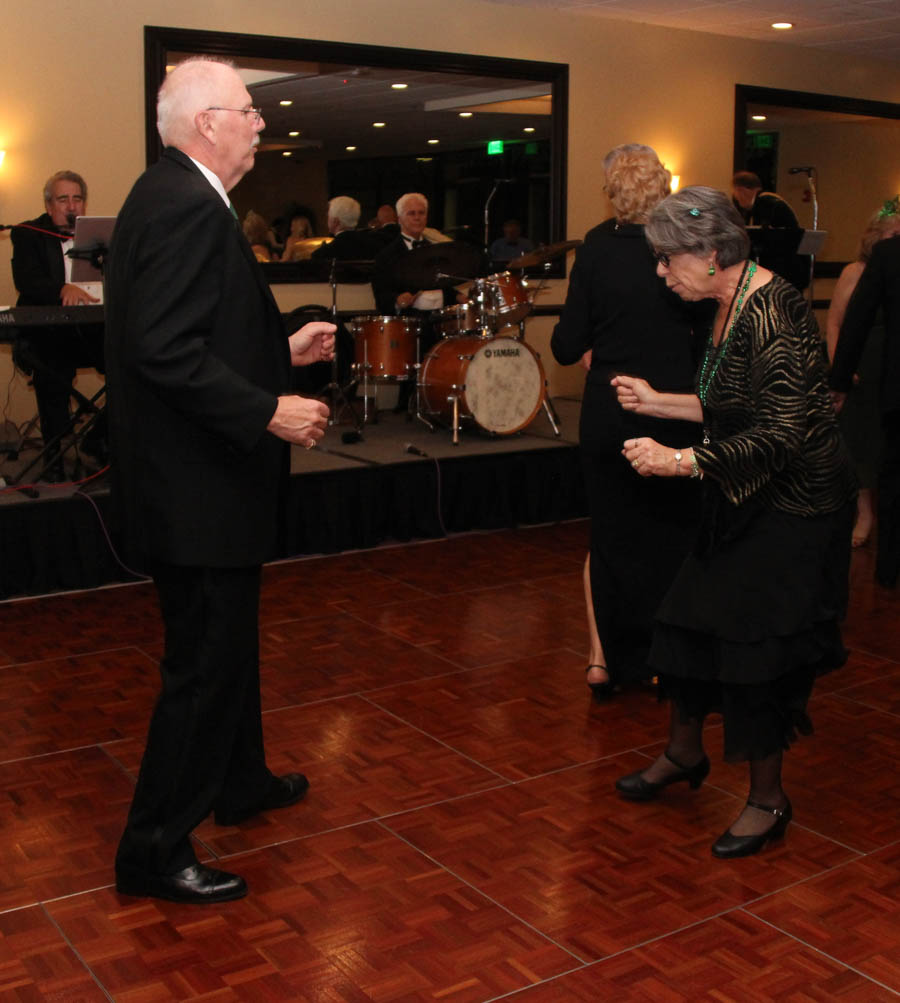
pixel 842 695
pixel 438 741
pixel 74 950
pixel 513 993
pixel 56 752
pixel 93 653
pixel 823 954
pixel 488 898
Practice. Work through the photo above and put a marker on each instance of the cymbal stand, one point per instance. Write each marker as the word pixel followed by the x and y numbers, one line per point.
pixel 417 372
pixel 337 398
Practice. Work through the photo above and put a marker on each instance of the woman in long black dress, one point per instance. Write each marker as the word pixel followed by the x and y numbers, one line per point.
pixel 753 615
pixel 619 311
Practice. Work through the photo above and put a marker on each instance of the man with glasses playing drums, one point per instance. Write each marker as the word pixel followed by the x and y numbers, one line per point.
pixel 391 295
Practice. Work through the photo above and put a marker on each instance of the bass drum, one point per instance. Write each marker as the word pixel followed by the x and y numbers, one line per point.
pixel 499 382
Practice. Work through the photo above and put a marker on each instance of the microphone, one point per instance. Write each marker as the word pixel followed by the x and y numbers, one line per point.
pixel 800 170
pixel 410 448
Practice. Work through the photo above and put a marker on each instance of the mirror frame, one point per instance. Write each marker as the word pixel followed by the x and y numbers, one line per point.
pixel 159 41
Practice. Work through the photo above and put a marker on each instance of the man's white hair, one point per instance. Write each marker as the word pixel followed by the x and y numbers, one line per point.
pixel 345 210
pixel 193 85
pixel 404 201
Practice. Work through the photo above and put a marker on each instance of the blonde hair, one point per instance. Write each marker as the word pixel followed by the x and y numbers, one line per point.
pixel 878 227
pixel 636 181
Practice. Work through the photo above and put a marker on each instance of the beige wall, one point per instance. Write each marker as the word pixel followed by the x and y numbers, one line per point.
pixel 857 168
pixel 73 89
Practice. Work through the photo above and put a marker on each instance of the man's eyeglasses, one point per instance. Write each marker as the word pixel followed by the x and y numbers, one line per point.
pixel 255 112
pixel 662 258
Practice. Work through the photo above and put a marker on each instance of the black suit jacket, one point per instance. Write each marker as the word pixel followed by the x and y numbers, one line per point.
pixel 37 263
pixel 878 286
pixel 385 284
pixel 350 245
pixel 197 354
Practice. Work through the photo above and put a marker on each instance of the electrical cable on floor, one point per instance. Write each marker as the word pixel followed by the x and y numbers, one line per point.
pixel 410 448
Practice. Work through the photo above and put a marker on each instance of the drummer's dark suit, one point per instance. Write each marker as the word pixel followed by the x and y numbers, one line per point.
pixel 196 356
pixel 385 284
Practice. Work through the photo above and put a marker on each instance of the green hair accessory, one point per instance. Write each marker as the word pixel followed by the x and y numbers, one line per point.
pixel 891 207
pixel 695 212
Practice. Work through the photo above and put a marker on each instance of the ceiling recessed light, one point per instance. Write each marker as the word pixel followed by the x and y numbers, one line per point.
pixel 433 142
pixel 350 148
pixel 285 104
pixel 286 153
pixel 528 128
pixel 294 133
pixel 782 25
pixel 399 87
pixel 758 118
pixel 378 125
pixel 465 114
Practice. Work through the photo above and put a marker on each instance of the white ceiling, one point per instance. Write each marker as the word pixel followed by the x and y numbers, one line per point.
pixel 869 28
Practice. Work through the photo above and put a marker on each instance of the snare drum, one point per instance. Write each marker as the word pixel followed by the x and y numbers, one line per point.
pixel 498 382
pixel 505 298
pixel 454 321
pixel 385 347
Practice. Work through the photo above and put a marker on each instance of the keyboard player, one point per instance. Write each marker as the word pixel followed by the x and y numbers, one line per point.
pixel 42 276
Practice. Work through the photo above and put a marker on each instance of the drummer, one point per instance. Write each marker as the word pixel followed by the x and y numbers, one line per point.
pixel 391 296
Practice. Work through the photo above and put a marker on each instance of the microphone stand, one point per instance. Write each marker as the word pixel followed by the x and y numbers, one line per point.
pixel 487 216
pixel 811 181
pixel 333 389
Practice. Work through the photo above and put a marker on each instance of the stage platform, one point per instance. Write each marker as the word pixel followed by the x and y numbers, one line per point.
pixel 343 495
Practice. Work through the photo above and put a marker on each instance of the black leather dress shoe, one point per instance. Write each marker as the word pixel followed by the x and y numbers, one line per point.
pixel 283 791
pixel 196 884
pixel 636 788
pixel 728 846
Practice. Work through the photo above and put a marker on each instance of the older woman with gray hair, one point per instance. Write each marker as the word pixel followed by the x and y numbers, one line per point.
pixel 753 615
pixel 620 318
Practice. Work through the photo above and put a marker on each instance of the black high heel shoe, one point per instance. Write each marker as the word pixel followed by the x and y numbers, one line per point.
pixel 728 846
pixel 601 692
pixel 636 788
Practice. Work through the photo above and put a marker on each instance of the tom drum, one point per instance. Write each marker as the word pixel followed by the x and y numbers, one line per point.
pixel 385 347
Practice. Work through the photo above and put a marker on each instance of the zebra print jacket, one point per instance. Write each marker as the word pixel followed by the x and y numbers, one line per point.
pixel 768 414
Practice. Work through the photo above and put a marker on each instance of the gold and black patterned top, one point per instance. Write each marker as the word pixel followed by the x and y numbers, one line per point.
pixel 768 414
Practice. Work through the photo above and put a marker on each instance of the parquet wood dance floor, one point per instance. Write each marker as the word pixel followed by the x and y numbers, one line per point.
pixel 462 840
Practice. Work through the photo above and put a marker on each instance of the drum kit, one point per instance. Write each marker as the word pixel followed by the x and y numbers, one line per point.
pixel 481 370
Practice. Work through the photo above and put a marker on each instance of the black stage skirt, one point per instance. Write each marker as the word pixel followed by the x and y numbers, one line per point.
pixel 752 618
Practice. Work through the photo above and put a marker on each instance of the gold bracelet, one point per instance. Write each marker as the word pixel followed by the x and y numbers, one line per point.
pixel 695 468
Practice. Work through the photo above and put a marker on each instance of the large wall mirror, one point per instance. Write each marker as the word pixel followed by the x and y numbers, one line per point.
pixel 480 136
pixel 850 142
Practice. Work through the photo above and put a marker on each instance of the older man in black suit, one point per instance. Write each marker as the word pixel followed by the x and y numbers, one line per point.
pixel 878 286
pixel 198 367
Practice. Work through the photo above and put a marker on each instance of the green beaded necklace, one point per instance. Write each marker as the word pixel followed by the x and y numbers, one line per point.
pixel 739 293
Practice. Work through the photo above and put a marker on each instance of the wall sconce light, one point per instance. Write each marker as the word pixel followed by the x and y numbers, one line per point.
pixel 676 182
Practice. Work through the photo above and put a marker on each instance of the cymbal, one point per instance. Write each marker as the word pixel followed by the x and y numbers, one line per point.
pixel 541 255
pixel 439 266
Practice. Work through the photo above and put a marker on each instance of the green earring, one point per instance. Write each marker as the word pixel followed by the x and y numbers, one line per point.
pixel 712 270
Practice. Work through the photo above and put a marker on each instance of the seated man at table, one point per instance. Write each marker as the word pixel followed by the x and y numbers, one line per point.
pixel 42 274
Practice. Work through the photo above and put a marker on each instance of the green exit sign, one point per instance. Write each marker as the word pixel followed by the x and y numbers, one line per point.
pixel 494 146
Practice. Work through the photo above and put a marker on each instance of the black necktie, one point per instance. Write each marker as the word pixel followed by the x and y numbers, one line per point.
pixel 417 243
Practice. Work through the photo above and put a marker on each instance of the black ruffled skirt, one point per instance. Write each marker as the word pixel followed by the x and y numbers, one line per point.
pixel 752 618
